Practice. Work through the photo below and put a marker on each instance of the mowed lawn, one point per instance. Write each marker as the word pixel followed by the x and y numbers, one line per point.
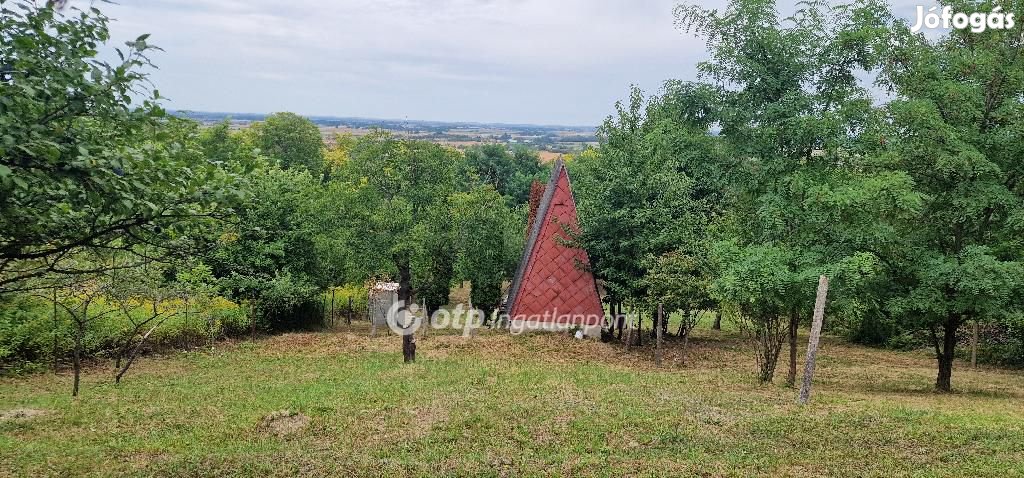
pixel 501 405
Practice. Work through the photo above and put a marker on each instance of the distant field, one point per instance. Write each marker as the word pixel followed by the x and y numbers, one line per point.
pixel 548 156
pixel 498 405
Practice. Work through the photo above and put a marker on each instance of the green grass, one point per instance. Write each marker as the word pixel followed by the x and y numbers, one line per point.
pixel 497 405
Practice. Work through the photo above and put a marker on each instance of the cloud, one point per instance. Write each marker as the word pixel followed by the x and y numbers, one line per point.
pixel 271 76
pixel 564 61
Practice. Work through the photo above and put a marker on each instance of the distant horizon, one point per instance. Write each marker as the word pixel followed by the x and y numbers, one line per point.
pixel 528 62
pixel 229 114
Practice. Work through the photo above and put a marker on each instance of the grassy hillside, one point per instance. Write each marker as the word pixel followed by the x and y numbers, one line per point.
pixel 498 405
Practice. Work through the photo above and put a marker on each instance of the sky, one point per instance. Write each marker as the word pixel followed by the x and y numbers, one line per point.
pixel 510 61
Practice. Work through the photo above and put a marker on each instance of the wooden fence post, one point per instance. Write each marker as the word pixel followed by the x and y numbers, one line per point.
pixel 369 313
pixel 658 332
pixel 974 345
pixel 426 318
pixel 350 311
pixel 812 345
pixel 629 331
pixel 639 329
pixel 56 329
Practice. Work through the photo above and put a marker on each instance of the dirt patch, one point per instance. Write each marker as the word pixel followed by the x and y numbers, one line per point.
pixel 21 414
pixel 283 423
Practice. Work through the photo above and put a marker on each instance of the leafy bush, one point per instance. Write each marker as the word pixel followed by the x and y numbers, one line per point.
pixel 27 334
pixel 357 292
pixel 999 343
pixel 28 329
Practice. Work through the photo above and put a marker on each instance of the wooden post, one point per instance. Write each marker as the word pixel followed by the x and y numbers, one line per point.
pixel 369 313
pixel 56 328
pixel 629 331
pixel 620 321
pixel 639 329
pixel 469 317
pixel 408 347
pixel 350 311
pixel 332 307
pixel 658 332
pixel 426 318
pixel 974 345
pixel 794 325
pixel 188 333
pixel 812 345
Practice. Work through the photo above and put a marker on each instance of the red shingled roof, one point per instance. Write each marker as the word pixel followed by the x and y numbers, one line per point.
pixel 553 283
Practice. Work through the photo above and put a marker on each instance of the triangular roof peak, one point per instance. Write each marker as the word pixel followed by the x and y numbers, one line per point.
pixel 553 282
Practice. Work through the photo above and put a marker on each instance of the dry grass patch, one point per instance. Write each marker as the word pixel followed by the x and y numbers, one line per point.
pixel 283 423
pixel 21 414
pixel 501 405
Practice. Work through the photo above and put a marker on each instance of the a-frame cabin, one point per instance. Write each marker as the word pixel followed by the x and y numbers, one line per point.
pixel 553 288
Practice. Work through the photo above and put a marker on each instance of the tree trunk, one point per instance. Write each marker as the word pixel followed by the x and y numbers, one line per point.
pixel 639 329
pixel 718 320
pixel 686 343
pixel 350 311
pixel 135 353
pixel 944 381
pixel 431 310
pixel 405 298
pixel 794 324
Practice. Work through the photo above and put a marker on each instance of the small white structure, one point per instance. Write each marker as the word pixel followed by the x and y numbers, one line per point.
pixel 381 297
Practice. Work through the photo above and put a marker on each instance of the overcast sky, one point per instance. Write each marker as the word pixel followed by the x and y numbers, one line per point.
pixel 512 61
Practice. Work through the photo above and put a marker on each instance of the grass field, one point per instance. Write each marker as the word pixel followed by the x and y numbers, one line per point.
pixel 498 405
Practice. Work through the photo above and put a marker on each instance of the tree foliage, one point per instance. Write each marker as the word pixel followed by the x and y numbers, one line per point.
pixel 83 166
pixel 268 256
pixel 803 199
pixel 489 238
pixel 290 141
pixel 954 129
pixel 400 191
pixel 508 172
pixel 643 194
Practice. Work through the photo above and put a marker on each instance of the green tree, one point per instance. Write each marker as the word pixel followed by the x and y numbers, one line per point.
pixel 220 144
pixel 803 198
pixel 489 237
pixel 510 173
pixel 954 127
pixel 83 166
pixel 268 257
pixel 290 140
pixel 680 282
pixel 528 169
pixel 400 190
pixel 433 262
pixel 642 193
